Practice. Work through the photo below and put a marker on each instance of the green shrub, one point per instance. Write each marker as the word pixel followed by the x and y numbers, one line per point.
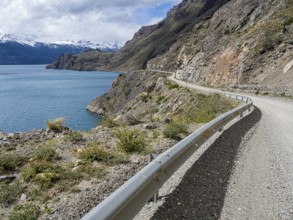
pixel 41 172
pixel 160 99
pixel 9 192
pixel 155 134
pixel 45 152
pixel 75 189
pixel 205 108
pixel 152 113
pixel 74 137
pixel 69 178
pixel 257 92
pixel 55 125
pixel 283 94
pixel 130 141
pixel 174 130
pixel 46 180
pixel 24 212
pixel 269 42
pixel 145 98
pixel 10 161
pixel 93 152
pixel 37 193
pixel 44 176
pixel 109 122
pixel 173 86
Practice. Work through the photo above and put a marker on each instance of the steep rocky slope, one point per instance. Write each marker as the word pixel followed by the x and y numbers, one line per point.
pixel 238 44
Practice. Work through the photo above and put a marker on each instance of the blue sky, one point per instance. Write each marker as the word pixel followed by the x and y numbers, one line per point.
pixel 156 12
pixel 95 20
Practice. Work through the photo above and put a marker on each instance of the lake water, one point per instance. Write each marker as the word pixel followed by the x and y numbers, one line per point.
pixel 31 94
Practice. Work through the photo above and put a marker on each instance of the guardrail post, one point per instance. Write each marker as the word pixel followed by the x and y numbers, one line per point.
pixel 156 195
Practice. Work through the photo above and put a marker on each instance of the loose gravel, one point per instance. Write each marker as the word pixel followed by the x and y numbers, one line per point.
pixel 197 190
pixel 247 173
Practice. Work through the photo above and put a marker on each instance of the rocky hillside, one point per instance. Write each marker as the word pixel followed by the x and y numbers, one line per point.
pixel 62 174
pixel 238 44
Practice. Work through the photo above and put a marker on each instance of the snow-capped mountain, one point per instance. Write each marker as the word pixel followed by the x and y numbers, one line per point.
pixel 32 40
pixel 105 45
pixel 29 49
pixel 25 40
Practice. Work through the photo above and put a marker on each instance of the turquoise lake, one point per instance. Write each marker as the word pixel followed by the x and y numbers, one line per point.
pixel 31 94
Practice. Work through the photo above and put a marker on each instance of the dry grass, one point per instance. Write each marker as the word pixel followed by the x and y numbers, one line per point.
pixel 55 125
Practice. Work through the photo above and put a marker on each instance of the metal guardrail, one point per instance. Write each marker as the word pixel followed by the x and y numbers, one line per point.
pixel 129 199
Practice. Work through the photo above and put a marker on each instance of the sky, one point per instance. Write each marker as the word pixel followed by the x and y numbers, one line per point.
pixel 94 20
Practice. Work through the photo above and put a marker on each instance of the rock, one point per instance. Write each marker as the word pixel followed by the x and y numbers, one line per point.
pixel 10 135
pixel 149 86
pixel 23 197
pixel 2 135
pixel 9 177
pixel 167 120
pixel 136 161
pixel 159 84
pixel 149 126
pixel 288 67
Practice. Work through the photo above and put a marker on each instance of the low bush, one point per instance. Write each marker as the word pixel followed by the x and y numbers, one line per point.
pixel 160 99
pixel 24 212
pixel 38 194
pixel 74 137
pixel 170 85
pixel 56 124
pixel 130 141
pixel 10 161
pixel 109 122
pixel 145 98
pixel 45 152
pixel 205 108
pixel 93 152
pixel 43 173
pixel 70 178
pixel 174 130
pixel 173 86
pixel 9 192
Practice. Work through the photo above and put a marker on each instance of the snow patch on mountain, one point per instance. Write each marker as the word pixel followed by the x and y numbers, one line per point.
pixel 33 41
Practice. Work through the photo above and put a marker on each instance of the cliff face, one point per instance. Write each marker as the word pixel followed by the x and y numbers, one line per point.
pixel 87 60
pixel 245 44
pixel 238 43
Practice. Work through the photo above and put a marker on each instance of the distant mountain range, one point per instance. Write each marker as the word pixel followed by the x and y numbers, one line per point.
pixel 31 50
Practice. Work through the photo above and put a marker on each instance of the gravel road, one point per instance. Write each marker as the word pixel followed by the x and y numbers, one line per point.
pixel 262 184
pixel 247 173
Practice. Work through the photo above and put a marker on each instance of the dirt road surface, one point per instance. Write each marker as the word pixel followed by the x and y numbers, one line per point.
pixel 246 174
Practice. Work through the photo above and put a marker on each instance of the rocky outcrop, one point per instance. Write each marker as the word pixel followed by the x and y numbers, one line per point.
pixel 87 60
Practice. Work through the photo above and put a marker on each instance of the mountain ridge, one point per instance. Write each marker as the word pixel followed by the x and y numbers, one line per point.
pixel 30 49
pixel 238 44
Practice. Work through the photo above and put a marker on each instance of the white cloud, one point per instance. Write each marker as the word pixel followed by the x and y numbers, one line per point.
pixel 95 20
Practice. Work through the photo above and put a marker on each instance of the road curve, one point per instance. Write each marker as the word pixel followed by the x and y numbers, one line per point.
pixel 261 184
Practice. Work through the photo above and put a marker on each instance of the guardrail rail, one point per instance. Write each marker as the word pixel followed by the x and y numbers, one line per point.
pixel 129 199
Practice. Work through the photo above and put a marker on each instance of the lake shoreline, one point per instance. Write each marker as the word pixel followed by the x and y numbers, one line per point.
pixel 31 94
